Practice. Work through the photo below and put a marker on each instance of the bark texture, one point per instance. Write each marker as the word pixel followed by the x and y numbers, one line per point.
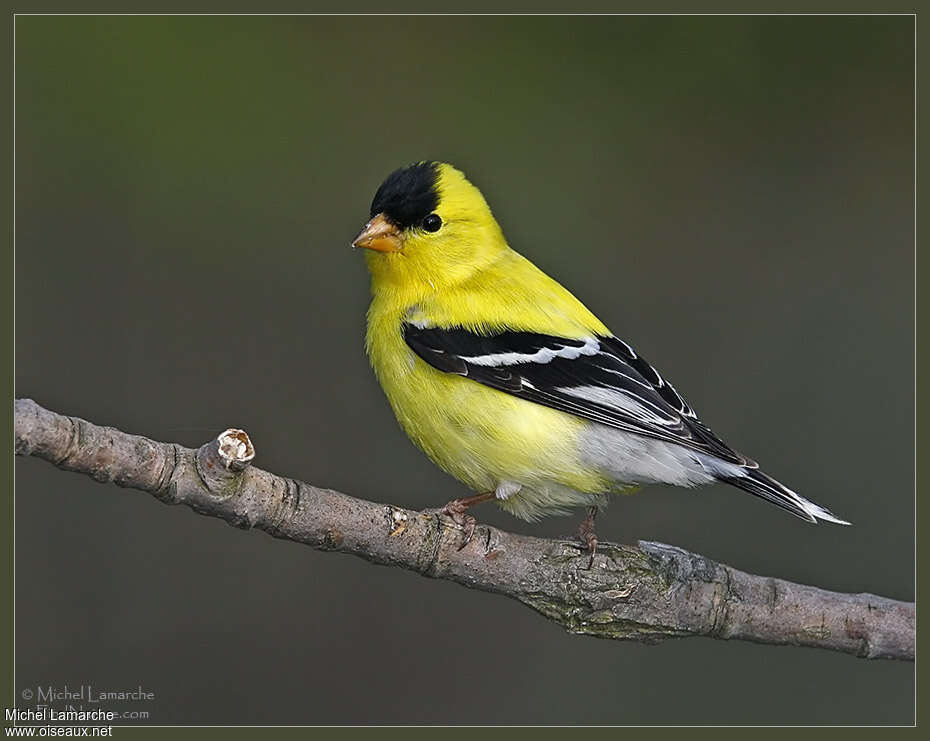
pixel 645 593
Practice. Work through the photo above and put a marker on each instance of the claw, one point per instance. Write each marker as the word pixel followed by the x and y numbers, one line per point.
pixel 456 510
pixel 468 529
pixel 588 535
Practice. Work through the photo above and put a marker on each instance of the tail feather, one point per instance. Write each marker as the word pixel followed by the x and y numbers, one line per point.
pixel 767 488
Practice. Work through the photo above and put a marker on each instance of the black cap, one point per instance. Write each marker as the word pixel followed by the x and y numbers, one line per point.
pixel 408 195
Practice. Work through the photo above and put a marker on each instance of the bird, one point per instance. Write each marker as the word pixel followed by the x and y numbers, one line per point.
pixel 509 383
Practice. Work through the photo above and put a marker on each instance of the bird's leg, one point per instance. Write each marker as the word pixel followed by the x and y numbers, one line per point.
pixel 588 535
pixel 456 510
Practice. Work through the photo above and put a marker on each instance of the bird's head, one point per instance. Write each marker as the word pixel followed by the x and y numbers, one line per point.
pixel 429 228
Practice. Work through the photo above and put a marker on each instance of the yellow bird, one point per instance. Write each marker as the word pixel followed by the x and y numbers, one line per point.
pixel 507 382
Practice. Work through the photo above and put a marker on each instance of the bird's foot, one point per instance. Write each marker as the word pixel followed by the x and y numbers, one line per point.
pixel 457 511
pixel 588 535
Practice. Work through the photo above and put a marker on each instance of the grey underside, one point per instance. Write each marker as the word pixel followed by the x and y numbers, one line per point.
pixel 626 459
pixel 636 459
pixel 629 459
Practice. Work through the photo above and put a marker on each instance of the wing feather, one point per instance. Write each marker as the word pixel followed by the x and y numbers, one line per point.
pixel 601 379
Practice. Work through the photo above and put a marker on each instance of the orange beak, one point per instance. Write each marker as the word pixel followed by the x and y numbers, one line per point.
pixel 380 235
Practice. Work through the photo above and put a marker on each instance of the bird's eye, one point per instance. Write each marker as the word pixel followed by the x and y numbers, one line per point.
pixel 432 223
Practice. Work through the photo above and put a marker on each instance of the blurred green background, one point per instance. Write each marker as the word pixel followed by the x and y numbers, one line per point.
pixel 732 195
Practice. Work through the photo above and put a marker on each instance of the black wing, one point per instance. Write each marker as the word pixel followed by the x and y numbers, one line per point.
pixel 598 378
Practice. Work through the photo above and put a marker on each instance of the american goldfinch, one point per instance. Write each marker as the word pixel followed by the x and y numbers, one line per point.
pixel 507 382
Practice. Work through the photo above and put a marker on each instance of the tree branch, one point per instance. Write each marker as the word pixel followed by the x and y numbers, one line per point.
pixel 644 593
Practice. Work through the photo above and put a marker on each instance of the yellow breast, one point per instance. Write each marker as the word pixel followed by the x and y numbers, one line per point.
pixel 479 435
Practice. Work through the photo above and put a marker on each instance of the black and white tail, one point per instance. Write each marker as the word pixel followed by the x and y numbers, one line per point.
pixel 767 488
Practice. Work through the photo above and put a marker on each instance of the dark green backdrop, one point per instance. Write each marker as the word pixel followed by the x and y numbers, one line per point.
pixel 732 195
